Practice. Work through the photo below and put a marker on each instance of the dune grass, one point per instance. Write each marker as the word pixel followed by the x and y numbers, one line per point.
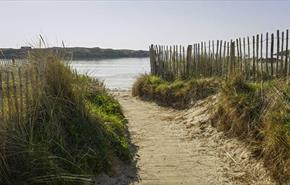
pixel 178 93
pixel 260 114
pixel 73 130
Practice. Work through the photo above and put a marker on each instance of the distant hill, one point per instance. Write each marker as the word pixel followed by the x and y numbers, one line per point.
pixel 76 53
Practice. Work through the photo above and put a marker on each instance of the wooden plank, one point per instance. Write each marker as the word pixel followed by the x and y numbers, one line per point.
pixel 188 58
pixel 232 58
pixel 282 56
pixel 287 54
pixel 267 46
pixel 241 55
pixel 213 59
pixel 216 58
pixel 201 59
pixel 198 59
pixel 220 58
pixel 249 59
pixel 170 60
pixel 257 57
pixel 262 63
pixel 244 58
pixel 272 53
pixel 254 61
pixel 151 55
pixel 238 56
pixel 193 61
pixel 210 59
pixel 183 62
pixel 224 59
pixel 277 53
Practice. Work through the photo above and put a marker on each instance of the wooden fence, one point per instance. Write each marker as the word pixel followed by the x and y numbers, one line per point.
pixel 19 85
pixel 256 58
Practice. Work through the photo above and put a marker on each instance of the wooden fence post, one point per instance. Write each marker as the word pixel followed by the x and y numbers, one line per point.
pixel 277 53
pixel 286 57
pixel 188 57
pixel 254 60
pixel 267 45
pixel 272 53
pixel 151 55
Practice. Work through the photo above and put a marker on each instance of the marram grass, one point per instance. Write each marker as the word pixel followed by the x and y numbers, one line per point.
pixel 73 130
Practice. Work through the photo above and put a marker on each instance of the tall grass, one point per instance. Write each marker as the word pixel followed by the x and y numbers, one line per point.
pixel 260 114
pixel 73 130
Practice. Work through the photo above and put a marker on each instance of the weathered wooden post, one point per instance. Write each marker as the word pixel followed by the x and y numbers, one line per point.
pixel 277 53
pixel 286 57
pixel 151 55
pixel 188 58
pixel 272 52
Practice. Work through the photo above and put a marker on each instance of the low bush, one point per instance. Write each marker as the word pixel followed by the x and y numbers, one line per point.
pixel 178 94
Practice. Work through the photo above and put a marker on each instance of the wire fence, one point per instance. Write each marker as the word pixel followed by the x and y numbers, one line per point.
pixel 260 57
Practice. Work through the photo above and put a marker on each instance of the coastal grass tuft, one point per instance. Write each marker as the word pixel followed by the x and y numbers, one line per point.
pixel 177 94
pixel 72 131
pixel 259 113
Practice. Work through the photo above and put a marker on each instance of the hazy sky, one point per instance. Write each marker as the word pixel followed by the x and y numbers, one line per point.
pixel 136 24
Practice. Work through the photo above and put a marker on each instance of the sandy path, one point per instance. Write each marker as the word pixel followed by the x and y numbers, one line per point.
pixel 166 155
pixel 181 147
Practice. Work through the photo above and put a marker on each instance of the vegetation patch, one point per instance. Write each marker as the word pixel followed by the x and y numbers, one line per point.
pixel 178 93
pixel 259 113
pixel 72 130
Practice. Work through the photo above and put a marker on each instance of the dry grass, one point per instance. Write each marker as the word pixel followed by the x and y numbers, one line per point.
pixel 72 131
pixel 259 114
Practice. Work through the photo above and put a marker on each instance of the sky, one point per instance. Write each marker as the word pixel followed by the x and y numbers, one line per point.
pixel 136 24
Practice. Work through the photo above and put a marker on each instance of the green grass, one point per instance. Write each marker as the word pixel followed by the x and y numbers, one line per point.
pixel 178 93
pixel 73 131
pixel 259 113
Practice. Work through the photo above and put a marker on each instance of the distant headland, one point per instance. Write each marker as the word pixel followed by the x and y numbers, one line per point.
pixel 75 53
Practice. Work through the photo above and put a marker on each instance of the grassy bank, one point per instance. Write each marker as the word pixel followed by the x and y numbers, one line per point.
pixel 259 113
pixel 178 94
pixel 72 130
